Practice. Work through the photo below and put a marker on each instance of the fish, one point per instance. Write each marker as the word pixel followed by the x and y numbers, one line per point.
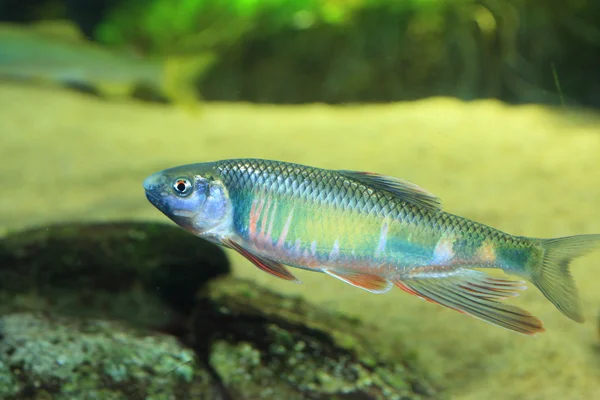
pixel 371 231
pixel 51 54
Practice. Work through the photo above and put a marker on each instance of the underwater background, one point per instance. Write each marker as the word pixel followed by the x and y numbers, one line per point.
pixel 491 105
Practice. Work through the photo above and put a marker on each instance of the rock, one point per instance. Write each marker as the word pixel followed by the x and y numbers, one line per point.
pixel 81 307
pixel 143 273
pixel 262 345
pixel 60 358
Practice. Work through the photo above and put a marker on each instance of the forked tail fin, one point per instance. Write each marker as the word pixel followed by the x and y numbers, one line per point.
pixel 553 277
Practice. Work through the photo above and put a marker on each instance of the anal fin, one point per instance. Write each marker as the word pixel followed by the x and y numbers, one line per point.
pixel 369 282
pixel 475 293
pixel 272 267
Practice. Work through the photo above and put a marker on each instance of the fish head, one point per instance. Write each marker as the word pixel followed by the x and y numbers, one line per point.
pixel 193 197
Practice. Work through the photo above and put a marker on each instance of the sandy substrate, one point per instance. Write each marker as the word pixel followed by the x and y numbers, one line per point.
pixel 527 170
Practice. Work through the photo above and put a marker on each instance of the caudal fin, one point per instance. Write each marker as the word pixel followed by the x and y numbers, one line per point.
pixel 180 74
pixel 553 277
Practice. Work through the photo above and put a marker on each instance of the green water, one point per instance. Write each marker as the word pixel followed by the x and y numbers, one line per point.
pixel 527 170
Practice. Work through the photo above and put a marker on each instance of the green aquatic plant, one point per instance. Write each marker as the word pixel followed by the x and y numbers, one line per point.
pixel 338 51
pixel 330 50
pixel 199 23
pixel 196 24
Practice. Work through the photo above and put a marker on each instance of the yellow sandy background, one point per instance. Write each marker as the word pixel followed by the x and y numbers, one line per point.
pixel 527 170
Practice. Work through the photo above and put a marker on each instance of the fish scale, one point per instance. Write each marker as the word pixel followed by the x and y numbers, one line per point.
pixel 331 190
pixel 370 231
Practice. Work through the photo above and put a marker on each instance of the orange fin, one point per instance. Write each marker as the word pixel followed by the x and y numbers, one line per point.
pixel 407 191
pixel 269 266
pixel 478 283
pixel 372 283
pixel 475 293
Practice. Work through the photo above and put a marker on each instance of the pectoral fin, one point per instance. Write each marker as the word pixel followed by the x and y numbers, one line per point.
pixel 371 283
pixel 272 267
pixel 475 293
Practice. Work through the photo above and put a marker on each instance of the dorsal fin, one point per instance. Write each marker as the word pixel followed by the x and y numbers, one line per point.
pixel 407 191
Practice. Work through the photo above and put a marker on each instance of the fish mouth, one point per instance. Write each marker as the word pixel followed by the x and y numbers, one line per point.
pixel 180 217
pixel 158 201
pixel 153 198
pixel 153 188
pixel 153 182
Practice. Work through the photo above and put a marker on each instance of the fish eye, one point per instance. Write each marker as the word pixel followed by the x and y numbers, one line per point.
pixel 182 186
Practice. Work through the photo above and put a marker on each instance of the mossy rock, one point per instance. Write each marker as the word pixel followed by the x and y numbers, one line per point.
pixel 140 272
pixel 59 358
pixel 80 307
pixel 263 345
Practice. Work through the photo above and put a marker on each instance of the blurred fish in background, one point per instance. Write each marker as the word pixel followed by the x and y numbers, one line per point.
pixel 56 52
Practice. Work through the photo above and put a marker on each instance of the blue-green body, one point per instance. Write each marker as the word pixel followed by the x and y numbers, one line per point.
pixel 368 230
pixel 337 221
